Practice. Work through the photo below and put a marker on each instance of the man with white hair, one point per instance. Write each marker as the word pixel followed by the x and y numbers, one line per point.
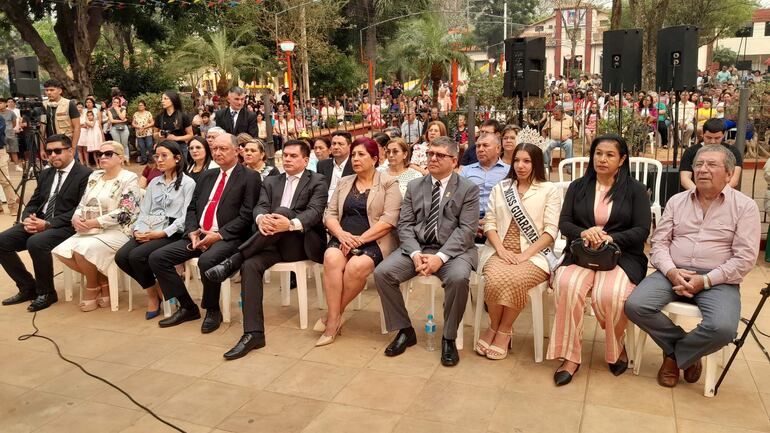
pixel 704 246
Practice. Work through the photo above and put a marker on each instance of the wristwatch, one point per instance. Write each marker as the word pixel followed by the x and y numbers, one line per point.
pixel 706 282
pixel 292 226
pixel 47 225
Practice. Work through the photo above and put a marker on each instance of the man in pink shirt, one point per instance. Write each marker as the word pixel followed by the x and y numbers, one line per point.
pixel 705 244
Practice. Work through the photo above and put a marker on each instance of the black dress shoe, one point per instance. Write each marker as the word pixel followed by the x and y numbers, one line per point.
pixel 619 367
pixel 248 342
pixel 564 377
pixel 43 301
pixel 449 355
pixel 211 322
pixel 224 270
pixel 405 338
pixel 19 298
pixel 180 316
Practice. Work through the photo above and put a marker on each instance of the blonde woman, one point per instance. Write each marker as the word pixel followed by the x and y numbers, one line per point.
pixel 103 222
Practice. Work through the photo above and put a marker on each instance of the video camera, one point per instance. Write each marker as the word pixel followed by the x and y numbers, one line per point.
pixel 33 110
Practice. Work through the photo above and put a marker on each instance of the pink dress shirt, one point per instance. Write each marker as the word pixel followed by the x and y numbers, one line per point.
pixel 724 241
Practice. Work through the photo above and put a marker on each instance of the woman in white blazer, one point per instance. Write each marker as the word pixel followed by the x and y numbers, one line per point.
pixel 516 256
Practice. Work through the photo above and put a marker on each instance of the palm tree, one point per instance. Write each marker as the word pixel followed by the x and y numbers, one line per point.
pixel 216 50
pixel 428 44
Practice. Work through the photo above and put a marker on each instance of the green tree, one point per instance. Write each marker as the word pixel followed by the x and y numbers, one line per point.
pixel 488 22
pixel 724 56
pixel 77 25
pixel 715 19
pixel 429 45
pixel 216 50
pixel 142 76
pixel 342 74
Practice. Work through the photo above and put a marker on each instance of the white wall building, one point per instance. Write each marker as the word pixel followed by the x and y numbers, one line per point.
pixel 755 46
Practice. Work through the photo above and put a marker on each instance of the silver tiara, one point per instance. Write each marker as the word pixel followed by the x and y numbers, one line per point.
pixel 530 136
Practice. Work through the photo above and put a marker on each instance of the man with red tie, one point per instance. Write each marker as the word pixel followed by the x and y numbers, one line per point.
pixel 218 220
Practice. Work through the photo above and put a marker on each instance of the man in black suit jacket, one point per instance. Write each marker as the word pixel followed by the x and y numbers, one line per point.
pixel 45 224
pixel 217 221
pixel 289 215
pixel 339 165
pixel 235 119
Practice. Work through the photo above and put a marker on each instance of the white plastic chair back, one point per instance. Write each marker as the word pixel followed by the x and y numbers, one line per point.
pixel 640 170
pixel 578 164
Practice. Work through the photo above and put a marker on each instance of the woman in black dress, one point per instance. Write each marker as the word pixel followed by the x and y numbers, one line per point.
pixel 360 217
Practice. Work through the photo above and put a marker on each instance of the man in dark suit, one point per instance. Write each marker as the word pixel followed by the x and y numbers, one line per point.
pixel 45 224
pixel 217 221
pixel 289 220
pixel 235 119
pixel 339 165
pixel 438 221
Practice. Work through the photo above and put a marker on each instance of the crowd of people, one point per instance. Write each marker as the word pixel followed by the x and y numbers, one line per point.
pixel 394 206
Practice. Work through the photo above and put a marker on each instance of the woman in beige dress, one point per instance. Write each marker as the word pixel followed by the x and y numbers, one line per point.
pixel 512 263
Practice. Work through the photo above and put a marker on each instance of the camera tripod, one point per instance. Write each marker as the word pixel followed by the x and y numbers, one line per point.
pixel 32 167
pixel 765 292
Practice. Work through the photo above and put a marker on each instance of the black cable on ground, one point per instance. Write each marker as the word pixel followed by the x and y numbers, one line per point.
pixel 87 373
pixel 753 334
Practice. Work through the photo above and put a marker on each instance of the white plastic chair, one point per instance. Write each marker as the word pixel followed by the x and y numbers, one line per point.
pixel 653 141
pixel 433 282
pixel 578 164
pixel 191 266
pixel 300 268
pixel 712 363
pixel 640 170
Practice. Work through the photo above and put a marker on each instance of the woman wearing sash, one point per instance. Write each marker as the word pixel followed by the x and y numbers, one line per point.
pixel 606 205
pixel 520 223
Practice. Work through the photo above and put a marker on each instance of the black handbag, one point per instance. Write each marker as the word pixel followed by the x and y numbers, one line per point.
pixel 604 258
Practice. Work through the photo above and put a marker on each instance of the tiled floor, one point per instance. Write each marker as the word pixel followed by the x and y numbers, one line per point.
pixel 349 386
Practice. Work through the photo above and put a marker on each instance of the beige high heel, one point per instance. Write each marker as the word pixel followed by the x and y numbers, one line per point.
pixel 87 305
pixel 498 353
pixel 329 339
pixel 482 346
pixel 104 301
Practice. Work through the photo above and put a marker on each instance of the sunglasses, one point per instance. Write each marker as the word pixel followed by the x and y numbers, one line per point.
pixel 108 154
pixel 58 151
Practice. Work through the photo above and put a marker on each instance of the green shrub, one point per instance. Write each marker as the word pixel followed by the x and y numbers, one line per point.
pixel 634 129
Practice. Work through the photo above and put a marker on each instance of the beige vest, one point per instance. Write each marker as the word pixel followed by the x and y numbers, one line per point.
pixel 62 122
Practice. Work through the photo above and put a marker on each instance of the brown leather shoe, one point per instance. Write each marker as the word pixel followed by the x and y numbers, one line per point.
pixel 692 373
pixel 668 375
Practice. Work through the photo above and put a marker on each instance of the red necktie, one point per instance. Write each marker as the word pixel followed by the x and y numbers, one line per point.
pixel 208 217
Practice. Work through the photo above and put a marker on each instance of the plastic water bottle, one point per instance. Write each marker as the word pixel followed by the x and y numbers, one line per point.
pixel 430 334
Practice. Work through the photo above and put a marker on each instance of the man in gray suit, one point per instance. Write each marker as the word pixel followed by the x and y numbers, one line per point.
pixel 438 221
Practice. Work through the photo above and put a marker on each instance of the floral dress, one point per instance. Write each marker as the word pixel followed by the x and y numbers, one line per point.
pixel 115 204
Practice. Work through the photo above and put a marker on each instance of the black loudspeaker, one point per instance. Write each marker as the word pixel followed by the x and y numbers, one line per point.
pixel 677 67
pixel 524 66
pixel 23 76
pixel 622 60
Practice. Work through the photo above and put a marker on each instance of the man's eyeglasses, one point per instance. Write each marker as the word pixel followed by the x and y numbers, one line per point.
pixel 108 154
pixel 711 165
pixel 58 151
pixel 439 156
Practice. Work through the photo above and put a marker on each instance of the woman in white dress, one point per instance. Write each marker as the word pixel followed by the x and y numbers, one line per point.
pixel 103 221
